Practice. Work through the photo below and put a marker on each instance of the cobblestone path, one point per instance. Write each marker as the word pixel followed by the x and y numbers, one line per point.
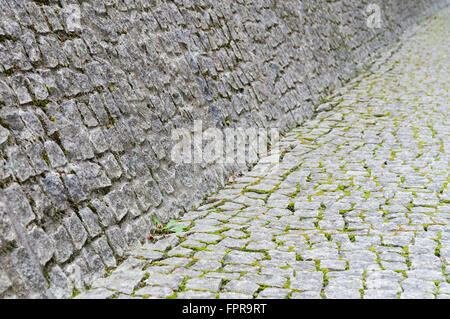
pixel 358 208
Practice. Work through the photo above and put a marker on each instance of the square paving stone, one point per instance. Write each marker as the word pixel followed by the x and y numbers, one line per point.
pixel 124 281
pixel 273 293
pixel 206 265
pixel 158 292
pixel 171 281
pixel 211 284
pixel 268 280
pixel 243 286
pixel 234 295
pixel 196 295
pixel 380 294
pixel 98 293
pixel 307 281
pixel 339 293
pixel 333 264
pixel 306 295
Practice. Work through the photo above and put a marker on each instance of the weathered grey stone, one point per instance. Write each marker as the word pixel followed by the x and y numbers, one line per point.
pixel 413 284
pixel 74 139
pixel 234 295
pixel 196 295
pixel 332 293
pixel 99 293
pixel 115 200
pixel 206 265
pixel 102 248
pixel 35 81
pixel 34 153
pixel 98 140
pixel 29 271
pixel 94 263
pixel 206 238
pixel 105 213
pixel 243 286
pixel 18 81
pixel 281 255
pixel 380 294
pixel 55 154
pixel 354 188
pixel 211 284
pixel 148 193
pixel 176 261
pixel 76 230
pixel 242 257
pixel 19 164
pixel 4 134
pixel 268 280
pixel 63 245
pixel 158 292
pixel 54 189
pixel 307 281
pixel 117 240
pixel 42 244
pixel 333 264
pixel 18 204
pixel 181 251
pixel 90 221
pixel 171 281
pixel 148 254
pixel 306 295
pixel 7 231
pixel 60 285
pixel 273 293
pixel 223 275
pixel 74 188
pixel 124 282
pixel 416 295
pixel 6 93
pixel 5 282
pixel 261 245
pixel 165 244
pixel 111 166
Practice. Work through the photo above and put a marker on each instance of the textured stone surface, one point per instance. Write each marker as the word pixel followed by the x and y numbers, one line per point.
pixel 366 208
pixel 87 108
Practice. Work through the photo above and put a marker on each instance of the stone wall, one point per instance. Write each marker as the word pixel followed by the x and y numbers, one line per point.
pixel 87 108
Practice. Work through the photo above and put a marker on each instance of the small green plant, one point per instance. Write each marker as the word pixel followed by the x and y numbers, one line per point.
pixel 170 227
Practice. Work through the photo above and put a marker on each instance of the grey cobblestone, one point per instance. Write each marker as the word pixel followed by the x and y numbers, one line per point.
pixel 98 293
pixel 357 207
pixel 124 282
pixel 158 292
pixel 196 295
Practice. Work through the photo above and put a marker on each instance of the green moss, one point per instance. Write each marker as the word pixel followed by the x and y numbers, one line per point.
pixel 287 285
pixel 41 103
pixel 437 251
pixel 5 37
pixel 75 293
pixel 258 191
pixel 291 206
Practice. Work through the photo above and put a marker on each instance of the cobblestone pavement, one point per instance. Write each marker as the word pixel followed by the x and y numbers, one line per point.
pixel 358 208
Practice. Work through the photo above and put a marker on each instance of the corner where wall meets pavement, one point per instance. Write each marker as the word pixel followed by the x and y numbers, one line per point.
pixel 90 92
